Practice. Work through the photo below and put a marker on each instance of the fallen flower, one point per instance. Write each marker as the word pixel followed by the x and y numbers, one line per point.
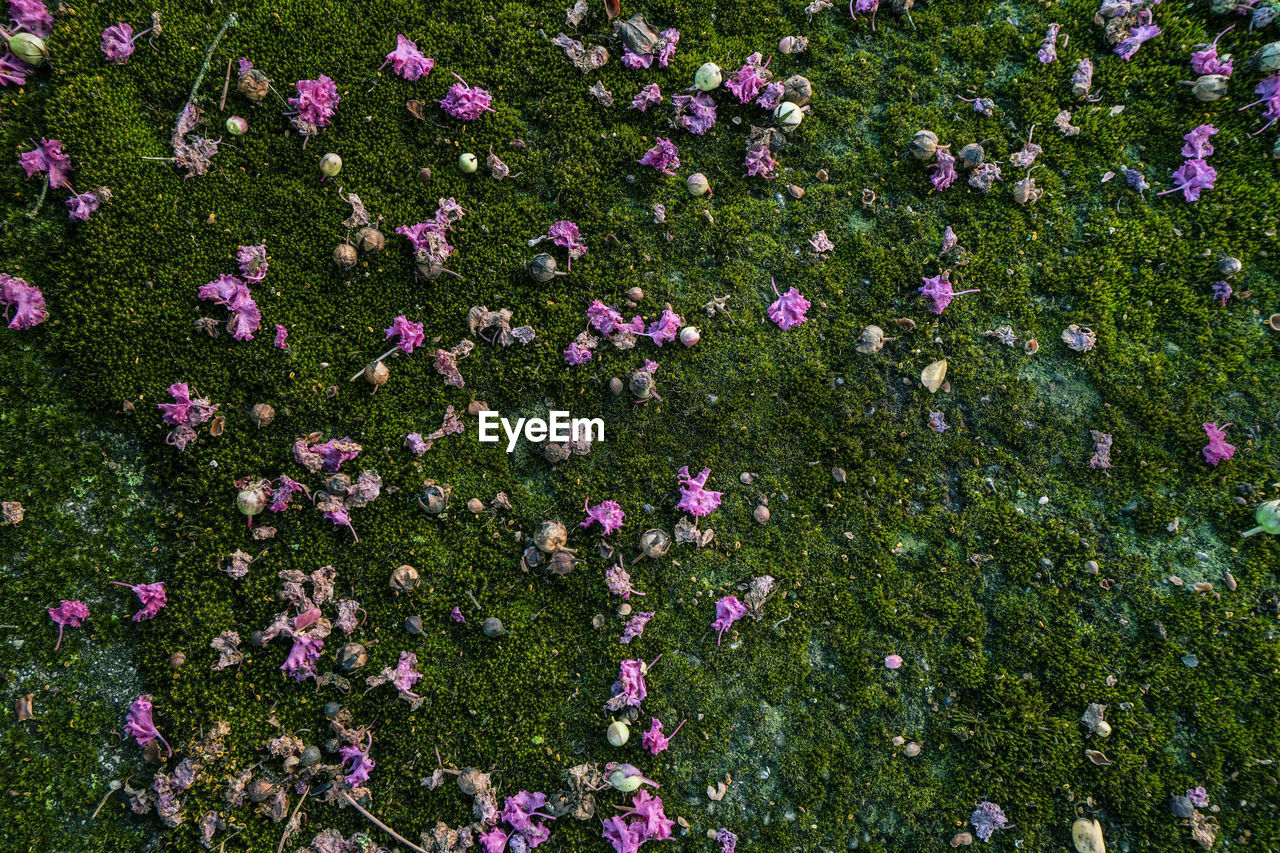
pixel 790 308
pixel 984 177
pixel 626 777
pixel 82 205
pixel 943 169
pixel 230 292
pixel 301 660
pixel 227 645
pixel 727 840
pixel 332 453
pixel 749 80
pixel 1222 291
pixel 1197 142
pixel 760 161
pixel 939 293
pixel 565 234
pixel 357 763
pixel 893 662
pixel 986 819
pixel 32 16
pixel 697 113
pixel 728 610
pixel 1049 45
pixel 663 156
pixel 665 328
pixel 635 626
pixel 456 616
pixel 139 724
pixel 1199 797
pixel 407 61
pixel 821 243
pixel 1206 61
pixel 282 335
pixel 1269 89
pixel 864 7
pixel 48 158
pixel 26 301
pixel 649 96
pixel 629 689
pixel 619 582
pixel 152 597
pixel 653 740
pixel 253 263
pixel 316 104
pixel 1217 450
pixel 1138 36
pixel 446 363
pixel 407 334
pixel 1101 450
pixel 575 354
pixel 607 513
pixel 695 498
pixel 68 614
pixel 466 103
pixel 118 40
pixel 936 423
pixel 1193 177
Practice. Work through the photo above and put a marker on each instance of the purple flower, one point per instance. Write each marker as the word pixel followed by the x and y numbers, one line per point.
pixel 1192 178
pixel 139 725
pixel 635 61
pixel 790 308
pixel 1222 291
pixel 407 61
pixel 670 39
pixel 117 43
pixel 749 80
pixel 603 318
pixel 771 96
pixel 82 205
pixel 694 497
pixel 335 451
pixel 520 810
pixel 1101 450
pixel 943 170
pixel 1269 89
pixel 282 493
pixel 647 97
pixel 152 597
pixel 1198 796
pixel 986 819
pixel 619 582
pixel 821 243
pixel 1138 36
pixel 357 763
pixel 408 334
pixel 49 158
pixel 936 423
pixel 465 103
pixel 301 661
pixel 406 672
pixel 864 7
pixel 576 355
pixel 184 410
pixel 282 335
pixel 1049 46
pixel 1207 62
pixel 985 176
pixel 607 513
pixel 663 156
pixel 68 613
pixel 253 263
pixel 456 616
pixel 13 71
pixel 243 66
pixel 939 293
pixel 1217 450
pixel 697 112
pixel 653 740
pixel 1198 144
pixel 665 328
pixel 316 104
pixel 1135 179
pixel 233 294
pixel 635 626
pixel 629 689
pixel 26 299
pixel 625 837
pixel 494 841
pixel 416 445
pixel 728 610
pixel 760 161
pixel 566 235
pixel 32 16
pixel 646 812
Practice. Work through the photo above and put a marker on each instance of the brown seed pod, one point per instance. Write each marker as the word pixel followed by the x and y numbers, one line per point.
pixel 642 384
pixel 531 558
pixel 259 789
pixel 376 374
pixel 369 239
pixel 971 156
pixel 923 145
pixel 1031 347
pixel 176 660
pixel 337 484
pixel 405 578
pixel 795 191
pixel 797 89
pixel 1274 322
pixel 562 562
pixel 352 656
pixel 435 497
pixel 906 323
pixel 871 340
pixel 217 425
pixel 492 627
pixel 1025 191
pixel 475 505
pixel 761 514
pixel 654 543
pixel 262 414
pixel 542 268
pixel 635 294
pixel 1210 87
pixel 550 537
pixel 822 175
pixel 254 85
pixel 424 174
pixel 616 386
pixel 556 453
pixel 12 512
pixel 345 257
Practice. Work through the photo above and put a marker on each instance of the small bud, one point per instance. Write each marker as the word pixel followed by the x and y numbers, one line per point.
pixel 615 385
pixel 542 268
pixel 618 733
pixel 971 156
pixel 330 165
pixel 467 163
pixel 29 48
pixel 793 44
pixel 635 294
pixel 236 126
pixel 1210 87
pixel 475 505
pixel 332 709
pixel 376 374
pixel 352 656
pixel 424 174
pixel 1229 266
pixel 708 77
pixel 923 145
pixel 795 191
pixel 697 184
pixel 252 499
pixel 550 536
pixel 177 659
pixel 414 625
pixel 654 543
pixel 690 335
pixel 797 90
pixel 405 578
pixel 788 115
pixel 254 85
pixel 492 627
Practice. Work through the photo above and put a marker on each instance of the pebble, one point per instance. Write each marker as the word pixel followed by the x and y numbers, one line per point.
pixel 1181 807
pixel 761 515
pixel 1190 661
pixel 475 505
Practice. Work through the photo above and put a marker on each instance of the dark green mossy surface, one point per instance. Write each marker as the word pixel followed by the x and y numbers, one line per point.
pixel 1001 658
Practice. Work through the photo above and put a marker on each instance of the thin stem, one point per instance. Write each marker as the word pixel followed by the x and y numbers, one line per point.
pixel 397 836
pixel 39 201
pixel 230 22
pixel 1253 532
pixel 226 84
pixel 287 830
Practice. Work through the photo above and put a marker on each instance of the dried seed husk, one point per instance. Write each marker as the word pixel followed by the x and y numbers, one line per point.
pixel 933 375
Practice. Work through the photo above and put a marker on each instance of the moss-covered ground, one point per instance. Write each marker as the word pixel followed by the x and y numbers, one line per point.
pixel 1002 651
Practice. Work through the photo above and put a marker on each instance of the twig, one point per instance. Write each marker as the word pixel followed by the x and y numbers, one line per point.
pixel 230 22
pixel 105 797
pixel 780 621
pixel 40 201
pixel 397 836
pixel 226 84
pixel 287 830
